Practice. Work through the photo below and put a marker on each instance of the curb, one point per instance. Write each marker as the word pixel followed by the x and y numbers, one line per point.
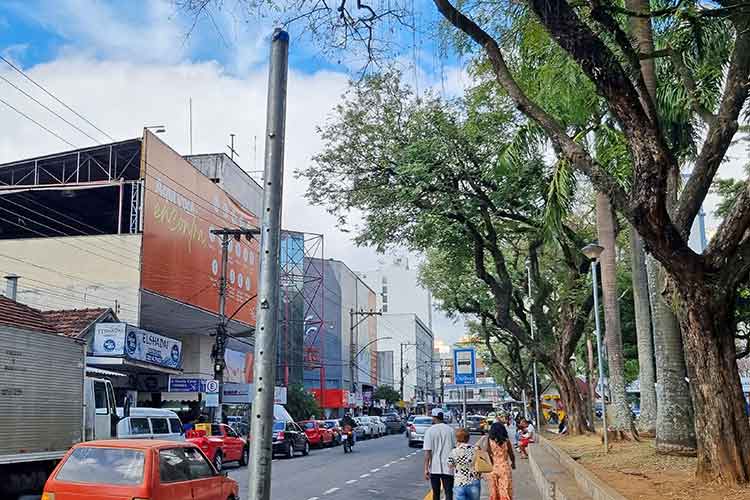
pixel 586 481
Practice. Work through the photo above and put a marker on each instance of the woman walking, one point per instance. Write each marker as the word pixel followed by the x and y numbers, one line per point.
pixel 503 461
pixel 466 484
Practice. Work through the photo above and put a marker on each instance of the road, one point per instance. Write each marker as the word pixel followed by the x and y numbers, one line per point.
pixel 384 468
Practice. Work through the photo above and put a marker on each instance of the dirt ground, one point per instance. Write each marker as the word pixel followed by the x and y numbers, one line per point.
pixel 637 472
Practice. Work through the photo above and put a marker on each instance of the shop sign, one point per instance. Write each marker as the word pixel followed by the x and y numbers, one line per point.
pixel 367 398
pixel 181 384
pixel 121 339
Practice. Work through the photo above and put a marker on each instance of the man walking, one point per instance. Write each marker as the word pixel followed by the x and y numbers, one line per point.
pixel 439 440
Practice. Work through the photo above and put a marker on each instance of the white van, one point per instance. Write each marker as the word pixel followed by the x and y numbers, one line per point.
pixel 150 423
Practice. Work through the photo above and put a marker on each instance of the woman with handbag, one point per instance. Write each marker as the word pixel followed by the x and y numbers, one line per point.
pixel 503 460
pixel 467 481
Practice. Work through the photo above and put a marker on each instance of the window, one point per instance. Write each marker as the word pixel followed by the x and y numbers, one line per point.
pixel 100 398
pixel 230 432
pixel 385 298
pixel 173 466
pixel 309 425
pixel 160 425
pixel 384 280
pixel 198 466
pixel 139 426
pixel 278 426
pixel 103 465
pixel 385 289
pixel 290 427
pixel 175 425
pixel 385 308
pixel 215 430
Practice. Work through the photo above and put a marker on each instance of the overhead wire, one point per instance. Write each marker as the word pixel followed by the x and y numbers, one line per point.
pixel 37 123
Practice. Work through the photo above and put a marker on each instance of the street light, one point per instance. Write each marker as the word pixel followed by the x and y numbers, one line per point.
pixel 593 251
pixel 159 129
pixel 536 389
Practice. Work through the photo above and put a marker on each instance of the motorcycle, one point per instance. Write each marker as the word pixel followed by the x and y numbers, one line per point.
pixel 347 439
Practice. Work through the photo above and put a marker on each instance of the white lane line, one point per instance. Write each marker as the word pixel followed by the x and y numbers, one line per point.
pixel 386 465
pixel 351 481
pixel 374 470
pixel 364 476
pixel 313 498
pixel 332 490
pixel 401 459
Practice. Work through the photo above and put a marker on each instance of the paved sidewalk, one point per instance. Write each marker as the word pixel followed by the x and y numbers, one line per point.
pixel 524 487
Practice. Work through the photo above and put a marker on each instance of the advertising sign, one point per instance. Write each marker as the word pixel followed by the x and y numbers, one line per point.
pixel 181 258
pixel 367 398
pixel 464 366
pixel 121 339
pixel 180 384
pixel 243 394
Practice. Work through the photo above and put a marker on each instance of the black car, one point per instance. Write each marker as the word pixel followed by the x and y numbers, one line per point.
pixel 474 423
pixel 393 423
pixel 289 437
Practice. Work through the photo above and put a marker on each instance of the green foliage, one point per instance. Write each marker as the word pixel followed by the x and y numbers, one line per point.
pixel 301 404
pixel 386 392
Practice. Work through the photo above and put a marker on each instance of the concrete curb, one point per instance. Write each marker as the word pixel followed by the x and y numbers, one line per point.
pixel 586 481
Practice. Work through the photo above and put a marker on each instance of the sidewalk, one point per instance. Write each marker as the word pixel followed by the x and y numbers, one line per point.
pixel 524 487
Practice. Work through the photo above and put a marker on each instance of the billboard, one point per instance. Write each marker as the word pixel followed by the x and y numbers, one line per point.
pixel 464 366
pixel 121 339
pixel 181 258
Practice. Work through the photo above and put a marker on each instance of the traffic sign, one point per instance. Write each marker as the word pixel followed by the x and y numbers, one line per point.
pixel 212 387
pixel 464 366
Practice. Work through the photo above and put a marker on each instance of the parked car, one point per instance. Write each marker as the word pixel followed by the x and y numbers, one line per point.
pixel 474 423
pixel 220 444
pixel 415 431
pixel 289 438
pixel 367 429
pixel 137 468
pixel 317 434
pixel 333 426
pixel 149 423
pixel 393 423
pixel 379 425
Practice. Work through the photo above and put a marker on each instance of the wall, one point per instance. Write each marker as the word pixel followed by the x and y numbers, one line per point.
pixel 408 329
pixel 232 179
pixel 76 272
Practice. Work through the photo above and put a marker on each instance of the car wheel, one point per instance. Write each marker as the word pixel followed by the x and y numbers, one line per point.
pixel 245 458
pixel 218 461
pixel 306 449
pixel 289 451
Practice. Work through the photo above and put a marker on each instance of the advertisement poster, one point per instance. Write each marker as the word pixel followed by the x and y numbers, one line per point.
pixel 181 258
pixel 235 366
pixel 121 339
pixel 464 363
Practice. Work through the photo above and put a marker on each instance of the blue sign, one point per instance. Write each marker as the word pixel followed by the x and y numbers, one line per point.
pixel 121 339
pixel 179 384
pixel 464 366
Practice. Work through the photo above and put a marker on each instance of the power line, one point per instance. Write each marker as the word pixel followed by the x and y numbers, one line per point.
pixel 54 97
pixel 48 109
pixel 37 123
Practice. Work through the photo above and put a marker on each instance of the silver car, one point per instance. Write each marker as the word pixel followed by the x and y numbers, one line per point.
pixel 415 431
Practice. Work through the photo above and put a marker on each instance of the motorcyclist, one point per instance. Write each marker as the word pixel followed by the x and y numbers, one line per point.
pixel 348 424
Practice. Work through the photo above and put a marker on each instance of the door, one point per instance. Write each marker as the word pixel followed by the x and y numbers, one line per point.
pixel 103 418
pixel 174 476
pixel 234 445
pixel 207 484
pixel 300 437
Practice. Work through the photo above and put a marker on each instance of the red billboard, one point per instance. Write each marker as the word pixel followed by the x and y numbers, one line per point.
pixel 181 258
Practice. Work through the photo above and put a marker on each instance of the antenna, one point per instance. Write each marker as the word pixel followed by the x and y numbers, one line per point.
pixel 255 152
pixel 232 151
pixel 190 123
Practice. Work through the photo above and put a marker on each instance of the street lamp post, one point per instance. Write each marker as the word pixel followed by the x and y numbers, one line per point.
pixel 531 323
pixel 593 251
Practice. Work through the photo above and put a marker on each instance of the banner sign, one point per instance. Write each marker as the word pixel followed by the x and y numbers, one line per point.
pixel 367 398
pixel 121 339
pixel 464 366
pixel 180 384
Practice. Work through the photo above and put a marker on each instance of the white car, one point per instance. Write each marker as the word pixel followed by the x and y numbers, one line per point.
pixel 380 425
pixel 367 427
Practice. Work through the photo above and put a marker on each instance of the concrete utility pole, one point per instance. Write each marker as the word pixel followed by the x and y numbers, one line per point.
pixel 220 344
pixel 353 353
pixel 261 423
pixel 401 360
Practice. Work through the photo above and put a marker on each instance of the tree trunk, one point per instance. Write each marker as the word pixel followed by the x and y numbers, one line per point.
pixel 572 400
pixel 621 419
pixel 647 377
pixel 707 320
pixel 675 432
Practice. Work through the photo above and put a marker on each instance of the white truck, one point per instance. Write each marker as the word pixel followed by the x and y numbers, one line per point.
pixel 47 404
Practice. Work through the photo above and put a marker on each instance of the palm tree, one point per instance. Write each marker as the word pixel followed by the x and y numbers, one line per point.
pixel 622 420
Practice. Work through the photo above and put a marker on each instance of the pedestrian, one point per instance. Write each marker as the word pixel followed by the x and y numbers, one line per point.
pixel 527 437
pixel 466 482
pixel 503 460
pixel 439 441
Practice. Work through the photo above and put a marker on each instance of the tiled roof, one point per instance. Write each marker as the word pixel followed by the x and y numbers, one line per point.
pixel 73 322
pixel 18 315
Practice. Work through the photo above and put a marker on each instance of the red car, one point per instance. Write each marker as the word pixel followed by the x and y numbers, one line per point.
pixel 223 445
pixel 124 469
pixel 317 434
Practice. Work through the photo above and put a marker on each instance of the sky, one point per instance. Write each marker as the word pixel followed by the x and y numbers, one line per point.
pixel 126 65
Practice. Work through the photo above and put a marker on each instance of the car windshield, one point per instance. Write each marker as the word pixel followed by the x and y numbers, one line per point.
pixel 422 421
pixel 103 466
pixel 309 425
pixel 278 426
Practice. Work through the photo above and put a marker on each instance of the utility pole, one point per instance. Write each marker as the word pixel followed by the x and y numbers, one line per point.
pixel 261 423
pixel 531 324
pixel 401 359
pixel 353 354
pixel 220 344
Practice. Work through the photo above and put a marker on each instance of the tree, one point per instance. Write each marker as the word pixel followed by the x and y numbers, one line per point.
pixel 301 404
pixel 388 393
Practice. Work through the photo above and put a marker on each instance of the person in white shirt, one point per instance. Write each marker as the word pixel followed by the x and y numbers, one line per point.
pixel 439 441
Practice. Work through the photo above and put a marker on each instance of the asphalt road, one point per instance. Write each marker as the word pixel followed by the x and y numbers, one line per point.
pixel 384 468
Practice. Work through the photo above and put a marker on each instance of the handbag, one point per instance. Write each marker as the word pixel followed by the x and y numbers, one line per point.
pixel 482 460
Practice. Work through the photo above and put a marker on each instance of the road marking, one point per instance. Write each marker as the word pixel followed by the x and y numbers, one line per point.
pixel 364 475
pixel 386 465
pixel 351 481
pixel 428 496
pixel 374 470
pixel 401 459
pixel 332 490
pixel 313 498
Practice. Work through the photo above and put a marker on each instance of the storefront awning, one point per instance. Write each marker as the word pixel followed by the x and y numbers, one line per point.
pixel 180 396
pixel 129 365
pixel 90 370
